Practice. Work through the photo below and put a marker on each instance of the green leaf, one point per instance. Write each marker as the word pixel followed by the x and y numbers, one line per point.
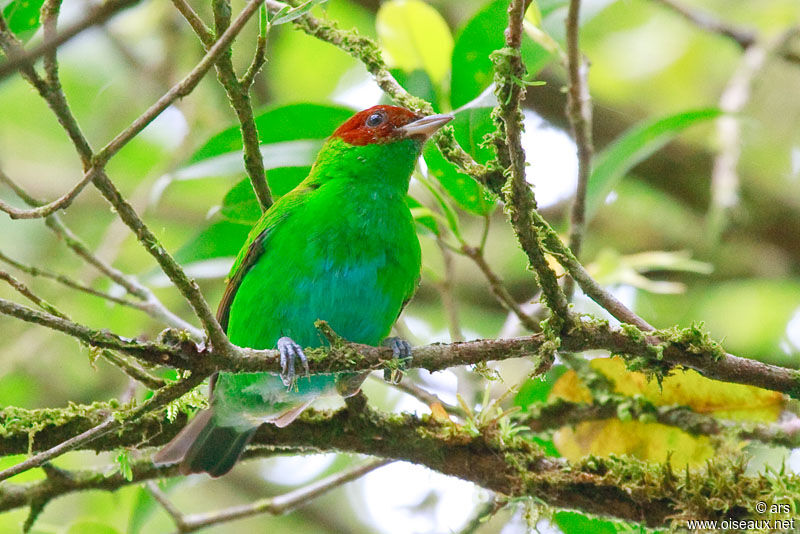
pixel 471 125
pixel 287 15
pixel 636 145
pixel 240 204
pixel 22 17
pixel 220 239
pixel 297 153
pixel 142 509
pixel 418 83
pixel 123 461
pixel 415 36
pixel 283 123
pixel 537 389
pixel 482 35
pixel 90 527
pixel 422 215
pixel 612 268
pixel 576 523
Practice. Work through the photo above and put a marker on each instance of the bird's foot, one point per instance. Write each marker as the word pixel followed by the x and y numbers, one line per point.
pixel 289 352
pixel 401 352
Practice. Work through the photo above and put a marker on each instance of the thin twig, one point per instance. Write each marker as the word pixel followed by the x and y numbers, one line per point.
pixel 499 289
pixel 151 305
pixel 282 503
pixel 744 37
pixel 579 113
pixel 238 95
pixel 724 176
pixel 133 371
pixel 98 15
pixel 445 287
pixel 65 280
pixel 260 55
pixel 63 447
pixel 426 397
pixel 60 203
pixel 167 505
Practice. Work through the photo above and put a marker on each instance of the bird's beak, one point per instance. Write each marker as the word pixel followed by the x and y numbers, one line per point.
pixel 426 126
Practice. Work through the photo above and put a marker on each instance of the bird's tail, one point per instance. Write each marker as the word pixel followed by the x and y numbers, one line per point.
pixel 205 446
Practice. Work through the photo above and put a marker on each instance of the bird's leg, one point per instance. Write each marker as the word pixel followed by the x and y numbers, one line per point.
pixel 348 384
pixel 289 351
pixel 401 351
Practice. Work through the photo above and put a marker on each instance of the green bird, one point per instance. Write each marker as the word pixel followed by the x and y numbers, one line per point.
pixel 340 247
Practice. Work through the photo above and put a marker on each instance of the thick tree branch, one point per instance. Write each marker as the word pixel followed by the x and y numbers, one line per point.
pixel 626 489
pixel 118 419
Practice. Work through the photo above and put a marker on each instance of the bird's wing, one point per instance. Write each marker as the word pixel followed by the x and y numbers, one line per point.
pixel 256 244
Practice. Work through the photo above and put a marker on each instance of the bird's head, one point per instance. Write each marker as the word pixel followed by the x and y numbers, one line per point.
pixel 377 146
pixel 381 125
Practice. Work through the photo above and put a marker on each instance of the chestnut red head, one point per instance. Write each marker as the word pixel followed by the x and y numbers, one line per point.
pixel 385 124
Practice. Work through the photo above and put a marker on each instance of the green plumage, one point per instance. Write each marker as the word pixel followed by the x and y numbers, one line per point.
pixel 341 247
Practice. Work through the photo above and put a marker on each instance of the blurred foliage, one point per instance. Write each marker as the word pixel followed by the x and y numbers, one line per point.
pixel 650 440
pixel 656 82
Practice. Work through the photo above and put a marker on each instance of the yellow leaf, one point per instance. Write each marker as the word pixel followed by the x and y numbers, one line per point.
pixel 415 36
pixel 654 441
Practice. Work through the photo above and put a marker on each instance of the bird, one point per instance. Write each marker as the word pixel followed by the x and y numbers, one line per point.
pixel 340 247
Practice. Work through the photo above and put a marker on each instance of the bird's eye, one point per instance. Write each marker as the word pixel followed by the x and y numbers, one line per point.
pixel 375 119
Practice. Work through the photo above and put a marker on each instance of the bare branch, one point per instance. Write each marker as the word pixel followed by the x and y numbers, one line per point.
pixel 60 203
pixel 97 15
pixel 68 282
pixel 445 287
pixel 579 113
pixel 425 396
pixel 499 289
pixel 282 503
pixel 167 505
pixel 238 94
pixel 724 176
pixel 151 304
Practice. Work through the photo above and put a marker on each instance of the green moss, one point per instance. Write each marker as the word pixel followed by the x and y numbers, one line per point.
pixel 694 339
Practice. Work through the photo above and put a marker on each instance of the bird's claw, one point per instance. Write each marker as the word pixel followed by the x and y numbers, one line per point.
pixel 290 350
pixel 401 351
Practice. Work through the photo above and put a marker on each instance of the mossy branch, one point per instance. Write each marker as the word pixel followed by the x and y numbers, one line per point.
pixel 368 52
pixel 660 350
pixel 622 488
